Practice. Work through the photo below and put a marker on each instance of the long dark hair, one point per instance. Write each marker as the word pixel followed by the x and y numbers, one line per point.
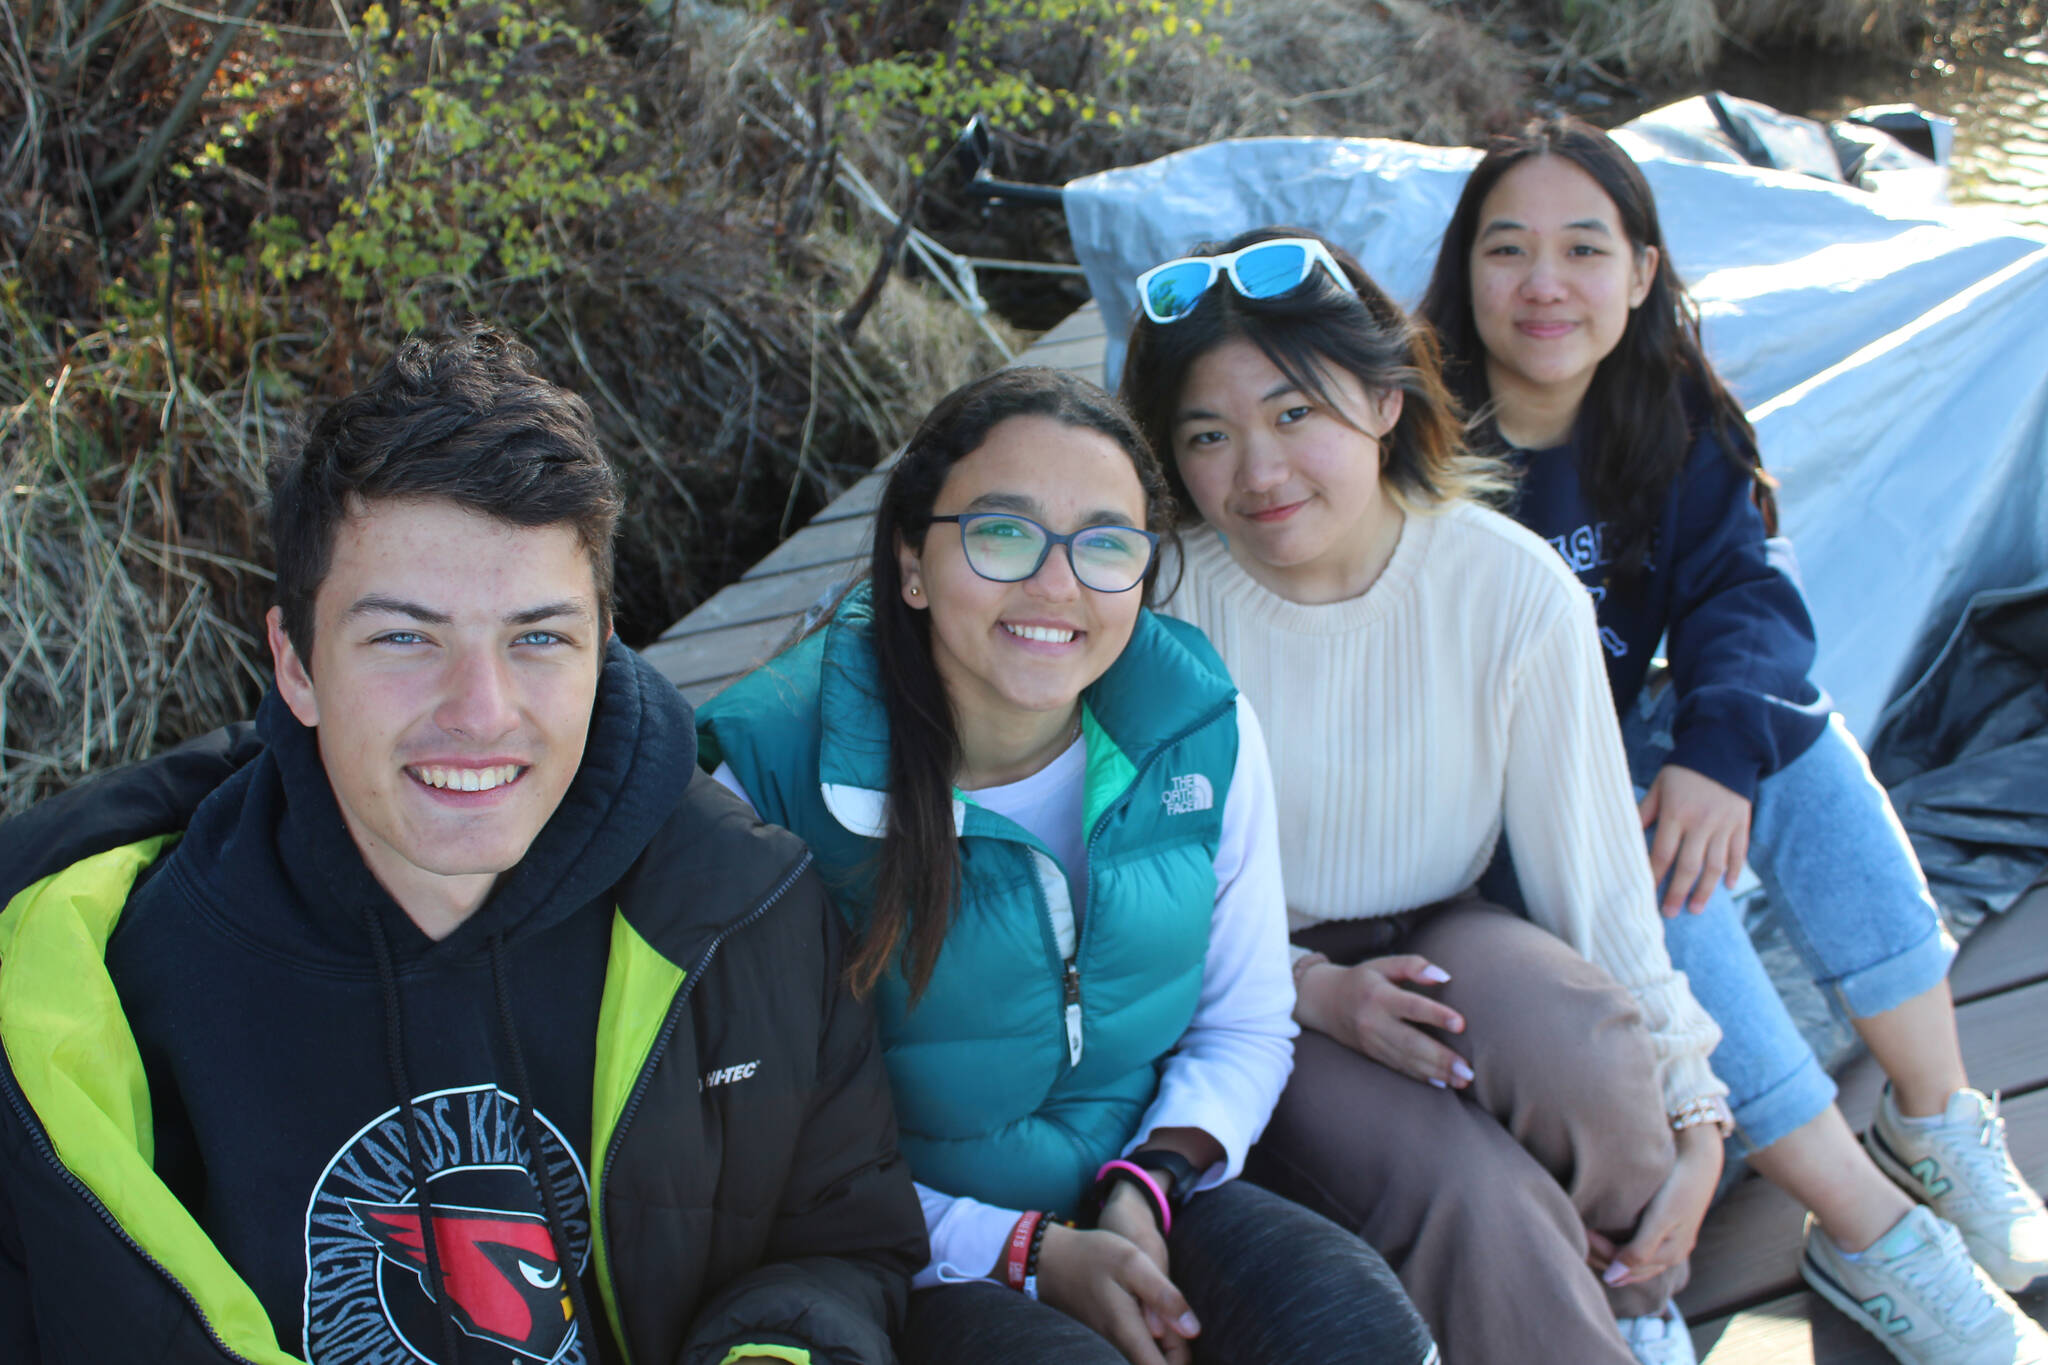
pixel 918 874
pixel 1650 394
pixel 1423 459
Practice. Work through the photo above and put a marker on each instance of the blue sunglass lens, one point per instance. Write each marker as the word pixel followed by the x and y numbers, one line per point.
pixel 1174 291
pixel 1272 270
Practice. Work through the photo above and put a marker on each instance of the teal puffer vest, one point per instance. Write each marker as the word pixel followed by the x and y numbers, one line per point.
pixel 1017 1073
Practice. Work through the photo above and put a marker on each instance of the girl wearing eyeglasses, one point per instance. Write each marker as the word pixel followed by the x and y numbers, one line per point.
pixel 1567 328
pixel 1049 819
pixel 1485 1098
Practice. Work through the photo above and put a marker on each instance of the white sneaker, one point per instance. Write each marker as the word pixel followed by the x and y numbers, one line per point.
pixel 1957 1164
pixel 1918 1292
pixel 1660 1338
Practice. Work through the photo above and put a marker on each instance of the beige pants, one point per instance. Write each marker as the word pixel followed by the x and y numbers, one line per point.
pixel 1481 1199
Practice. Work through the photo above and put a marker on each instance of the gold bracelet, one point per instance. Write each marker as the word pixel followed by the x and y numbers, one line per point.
pixel 1704 1109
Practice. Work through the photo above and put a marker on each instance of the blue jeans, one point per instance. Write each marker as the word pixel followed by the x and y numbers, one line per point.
pixel 1845 887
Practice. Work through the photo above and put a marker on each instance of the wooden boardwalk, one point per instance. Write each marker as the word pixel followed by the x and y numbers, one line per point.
pixel 1746 1302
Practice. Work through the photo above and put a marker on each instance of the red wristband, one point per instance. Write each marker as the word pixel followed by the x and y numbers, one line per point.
pixel 1017 1255
pixel 1133 1171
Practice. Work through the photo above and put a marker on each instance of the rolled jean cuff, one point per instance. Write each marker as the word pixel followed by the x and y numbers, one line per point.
pixel 1787 1106
pixel 1888 984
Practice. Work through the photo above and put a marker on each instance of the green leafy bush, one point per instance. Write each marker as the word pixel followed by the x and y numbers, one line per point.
pixel 479 133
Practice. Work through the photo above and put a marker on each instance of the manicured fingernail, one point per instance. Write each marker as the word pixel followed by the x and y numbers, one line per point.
pixel 1615 1273
pixel 1435 973
pixel 1460 1070
pixel 1435 1082
pixel 1186 1325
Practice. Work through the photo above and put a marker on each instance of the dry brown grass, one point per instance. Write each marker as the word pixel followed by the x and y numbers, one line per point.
pixel 1656 39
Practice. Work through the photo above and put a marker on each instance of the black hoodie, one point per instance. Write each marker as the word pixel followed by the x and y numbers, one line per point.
pixel 279 1100
pixel 287 1011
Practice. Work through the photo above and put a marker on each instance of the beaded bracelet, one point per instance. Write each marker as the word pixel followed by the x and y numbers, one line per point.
pixel 1702 1110
pixel 1031 1260
pixel 1020 1256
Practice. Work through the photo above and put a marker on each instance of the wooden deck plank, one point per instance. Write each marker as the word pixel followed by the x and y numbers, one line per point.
pixel 2008 950
pixel 2002 1046
pixel 1799 1326
pixel 774 596
pixel 1083 322
pixel 1082 356
pixel 1802 1328
pixel 857 501
pixel 706 656
pixel 818 543
pixel 1749 1248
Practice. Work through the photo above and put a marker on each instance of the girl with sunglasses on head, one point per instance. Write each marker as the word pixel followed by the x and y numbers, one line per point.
pixel 1567 328
pixel 1048 817
pixel 1486 1099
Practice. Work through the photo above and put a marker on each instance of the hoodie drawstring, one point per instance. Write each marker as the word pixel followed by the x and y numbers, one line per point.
pixel 558 1226
pixel 401 1080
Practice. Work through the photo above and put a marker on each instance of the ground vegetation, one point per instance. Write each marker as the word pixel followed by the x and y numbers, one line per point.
pixel 216 215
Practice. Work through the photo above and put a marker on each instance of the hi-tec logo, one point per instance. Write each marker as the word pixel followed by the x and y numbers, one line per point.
pixel 726 1075
pixel 1186 795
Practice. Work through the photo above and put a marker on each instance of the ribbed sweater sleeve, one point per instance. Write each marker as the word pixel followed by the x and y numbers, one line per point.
pixel 1578 842
pixel 1464 688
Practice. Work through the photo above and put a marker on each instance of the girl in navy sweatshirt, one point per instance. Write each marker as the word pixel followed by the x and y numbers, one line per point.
pixel 1567 329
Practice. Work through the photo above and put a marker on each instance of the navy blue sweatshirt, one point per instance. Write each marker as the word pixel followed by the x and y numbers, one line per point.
pixel 263 1005
pixel 1740 642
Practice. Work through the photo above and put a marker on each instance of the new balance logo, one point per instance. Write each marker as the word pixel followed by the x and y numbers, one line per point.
pixel 1928 1172
pixel 1886 1316
pixel 1188 794
pixel 726 1075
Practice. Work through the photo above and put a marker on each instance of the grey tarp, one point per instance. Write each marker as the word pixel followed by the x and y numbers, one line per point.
pixel 1965 753
pixel 1893 358
pixel 1891 351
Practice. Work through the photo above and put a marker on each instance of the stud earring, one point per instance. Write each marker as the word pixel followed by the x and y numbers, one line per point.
pixel 915 590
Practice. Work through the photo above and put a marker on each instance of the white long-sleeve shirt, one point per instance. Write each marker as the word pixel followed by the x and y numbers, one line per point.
pixel 1226 1073
pixel 1464 690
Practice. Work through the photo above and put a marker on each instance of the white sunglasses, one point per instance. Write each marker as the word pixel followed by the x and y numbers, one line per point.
pixel 1263 270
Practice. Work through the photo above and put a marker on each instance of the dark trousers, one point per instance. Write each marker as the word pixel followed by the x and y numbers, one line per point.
pixel 1271 1282
pixel 1481 1198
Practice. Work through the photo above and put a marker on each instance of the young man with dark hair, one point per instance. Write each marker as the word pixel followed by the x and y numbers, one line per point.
pixel 467 1022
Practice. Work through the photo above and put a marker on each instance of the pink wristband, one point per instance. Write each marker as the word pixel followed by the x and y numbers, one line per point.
pixel 1143 1177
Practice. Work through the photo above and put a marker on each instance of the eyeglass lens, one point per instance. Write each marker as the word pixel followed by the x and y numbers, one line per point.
pixel 1010 548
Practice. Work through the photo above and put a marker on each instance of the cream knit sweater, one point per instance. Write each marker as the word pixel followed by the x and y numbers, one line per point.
pixel 1463 688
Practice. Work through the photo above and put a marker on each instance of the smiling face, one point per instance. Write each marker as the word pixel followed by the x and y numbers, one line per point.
pixel 454 665
pixel 1554 278
pixel 1014 651
pixel 1294 486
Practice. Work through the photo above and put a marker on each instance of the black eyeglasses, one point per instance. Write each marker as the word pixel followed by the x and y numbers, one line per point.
pixel 1006 548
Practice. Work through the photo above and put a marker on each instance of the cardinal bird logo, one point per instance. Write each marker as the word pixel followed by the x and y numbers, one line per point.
pixel 370 1298
pixel 503 1279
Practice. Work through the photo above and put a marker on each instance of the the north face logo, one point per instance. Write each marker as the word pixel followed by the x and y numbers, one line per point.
pixel 1186 795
